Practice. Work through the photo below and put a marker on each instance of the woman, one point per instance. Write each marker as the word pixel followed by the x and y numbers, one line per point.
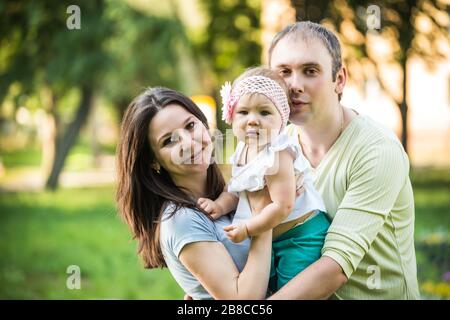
pixel 164 166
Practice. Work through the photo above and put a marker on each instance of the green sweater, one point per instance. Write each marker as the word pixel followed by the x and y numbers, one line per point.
pixel 364 182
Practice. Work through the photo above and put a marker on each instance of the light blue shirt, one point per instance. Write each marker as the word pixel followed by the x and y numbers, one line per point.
pixel 188 226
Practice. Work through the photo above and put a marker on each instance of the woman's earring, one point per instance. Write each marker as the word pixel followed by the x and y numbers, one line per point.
pixel 157 168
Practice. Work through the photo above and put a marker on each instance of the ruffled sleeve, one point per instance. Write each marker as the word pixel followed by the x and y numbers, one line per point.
pixel 251 176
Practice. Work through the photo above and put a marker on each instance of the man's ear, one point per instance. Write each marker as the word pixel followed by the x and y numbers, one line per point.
pixel 341 80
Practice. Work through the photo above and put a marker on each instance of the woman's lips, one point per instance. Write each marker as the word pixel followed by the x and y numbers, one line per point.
pixel 196 156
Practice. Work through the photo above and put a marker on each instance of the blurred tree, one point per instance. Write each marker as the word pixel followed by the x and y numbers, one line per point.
pixel 414 28
pixel 117 52
pixel 147 51
pixel 231 43
pixel 45 56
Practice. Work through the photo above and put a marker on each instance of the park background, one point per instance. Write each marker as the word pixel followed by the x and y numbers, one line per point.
pixel 63 92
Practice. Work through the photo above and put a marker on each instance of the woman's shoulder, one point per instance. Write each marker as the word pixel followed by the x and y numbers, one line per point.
pixel 182 225
pixel 180 221
pixel 174 214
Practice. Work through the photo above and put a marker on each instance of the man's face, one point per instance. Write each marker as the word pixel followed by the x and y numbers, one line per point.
pixel 306 67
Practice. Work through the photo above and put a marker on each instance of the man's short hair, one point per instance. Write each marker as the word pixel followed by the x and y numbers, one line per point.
pixel 311 30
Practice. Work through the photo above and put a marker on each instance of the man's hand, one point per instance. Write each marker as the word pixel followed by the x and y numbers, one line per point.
pixel 237 233
pixel 210 207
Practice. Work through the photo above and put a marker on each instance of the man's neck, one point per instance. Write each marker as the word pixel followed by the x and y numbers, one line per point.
pixel 317 137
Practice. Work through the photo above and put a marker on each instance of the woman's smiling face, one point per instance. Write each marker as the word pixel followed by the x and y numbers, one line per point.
pixel 180 141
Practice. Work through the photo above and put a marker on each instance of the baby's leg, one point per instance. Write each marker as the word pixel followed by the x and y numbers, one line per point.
pixel 298 248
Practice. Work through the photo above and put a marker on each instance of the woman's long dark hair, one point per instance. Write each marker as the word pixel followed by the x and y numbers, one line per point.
pixel 142 193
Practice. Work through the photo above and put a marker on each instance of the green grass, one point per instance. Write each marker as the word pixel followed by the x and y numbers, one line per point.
pixel 79 158
pixel 21 158
pixel 43 233
pixel 432 230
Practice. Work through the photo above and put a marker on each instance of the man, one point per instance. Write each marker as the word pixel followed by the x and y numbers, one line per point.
pixel 361 171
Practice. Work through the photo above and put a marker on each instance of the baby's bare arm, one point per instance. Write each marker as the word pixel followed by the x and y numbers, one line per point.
pixel 281 187
pixel 225 203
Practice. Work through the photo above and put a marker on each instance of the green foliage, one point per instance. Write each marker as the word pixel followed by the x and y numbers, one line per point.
pixel 144 53
pixel 118 50
pixel 44 51
pixel 232 42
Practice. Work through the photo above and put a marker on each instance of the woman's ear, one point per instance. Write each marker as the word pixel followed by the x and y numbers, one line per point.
pixel 341 80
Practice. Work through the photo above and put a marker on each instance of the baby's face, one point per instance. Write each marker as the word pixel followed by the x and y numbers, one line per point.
pixel 256 120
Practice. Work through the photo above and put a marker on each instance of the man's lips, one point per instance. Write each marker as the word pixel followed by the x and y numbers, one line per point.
pixel 299 103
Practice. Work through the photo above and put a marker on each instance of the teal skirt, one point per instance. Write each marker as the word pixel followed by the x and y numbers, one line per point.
pixel 296 249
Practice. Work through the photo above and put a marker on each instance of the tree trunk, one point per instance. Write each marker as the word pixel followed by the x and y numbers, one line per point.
pixel 404 105
pixel 70 137
pixel 49 130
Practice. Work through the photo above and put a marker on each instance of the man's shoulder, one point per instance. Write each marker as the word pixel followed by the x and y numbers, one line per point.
pixel 367 133
pixel 371 141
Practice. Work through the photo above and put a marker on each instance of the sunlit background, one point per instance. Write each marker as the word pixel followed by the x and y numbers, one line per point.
pixel 63 92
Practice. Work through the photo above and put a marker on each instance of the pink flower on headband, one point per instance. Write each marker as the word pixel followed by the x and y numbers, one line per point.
pixel 227 102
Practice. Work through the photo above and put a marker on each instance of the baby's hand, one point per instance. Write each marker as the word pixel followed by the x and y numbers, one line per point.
pixel 236 233
pixel 210 207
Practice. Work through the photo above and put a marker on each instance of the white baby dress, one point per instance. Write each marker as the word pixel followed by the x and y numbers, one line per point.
pixel 250 177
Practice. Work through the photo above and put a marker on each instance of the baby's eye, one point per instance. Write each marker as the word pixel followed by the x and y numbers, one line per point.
pixel 265 113
pixel 243 112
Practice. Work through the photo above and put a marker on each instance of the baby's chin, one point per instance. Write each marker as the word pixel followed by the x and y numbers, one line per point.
pixel 257 142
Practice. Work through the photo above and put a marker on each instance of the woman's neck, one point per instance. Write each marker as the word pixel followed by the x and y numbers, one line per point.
pixel 195 184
